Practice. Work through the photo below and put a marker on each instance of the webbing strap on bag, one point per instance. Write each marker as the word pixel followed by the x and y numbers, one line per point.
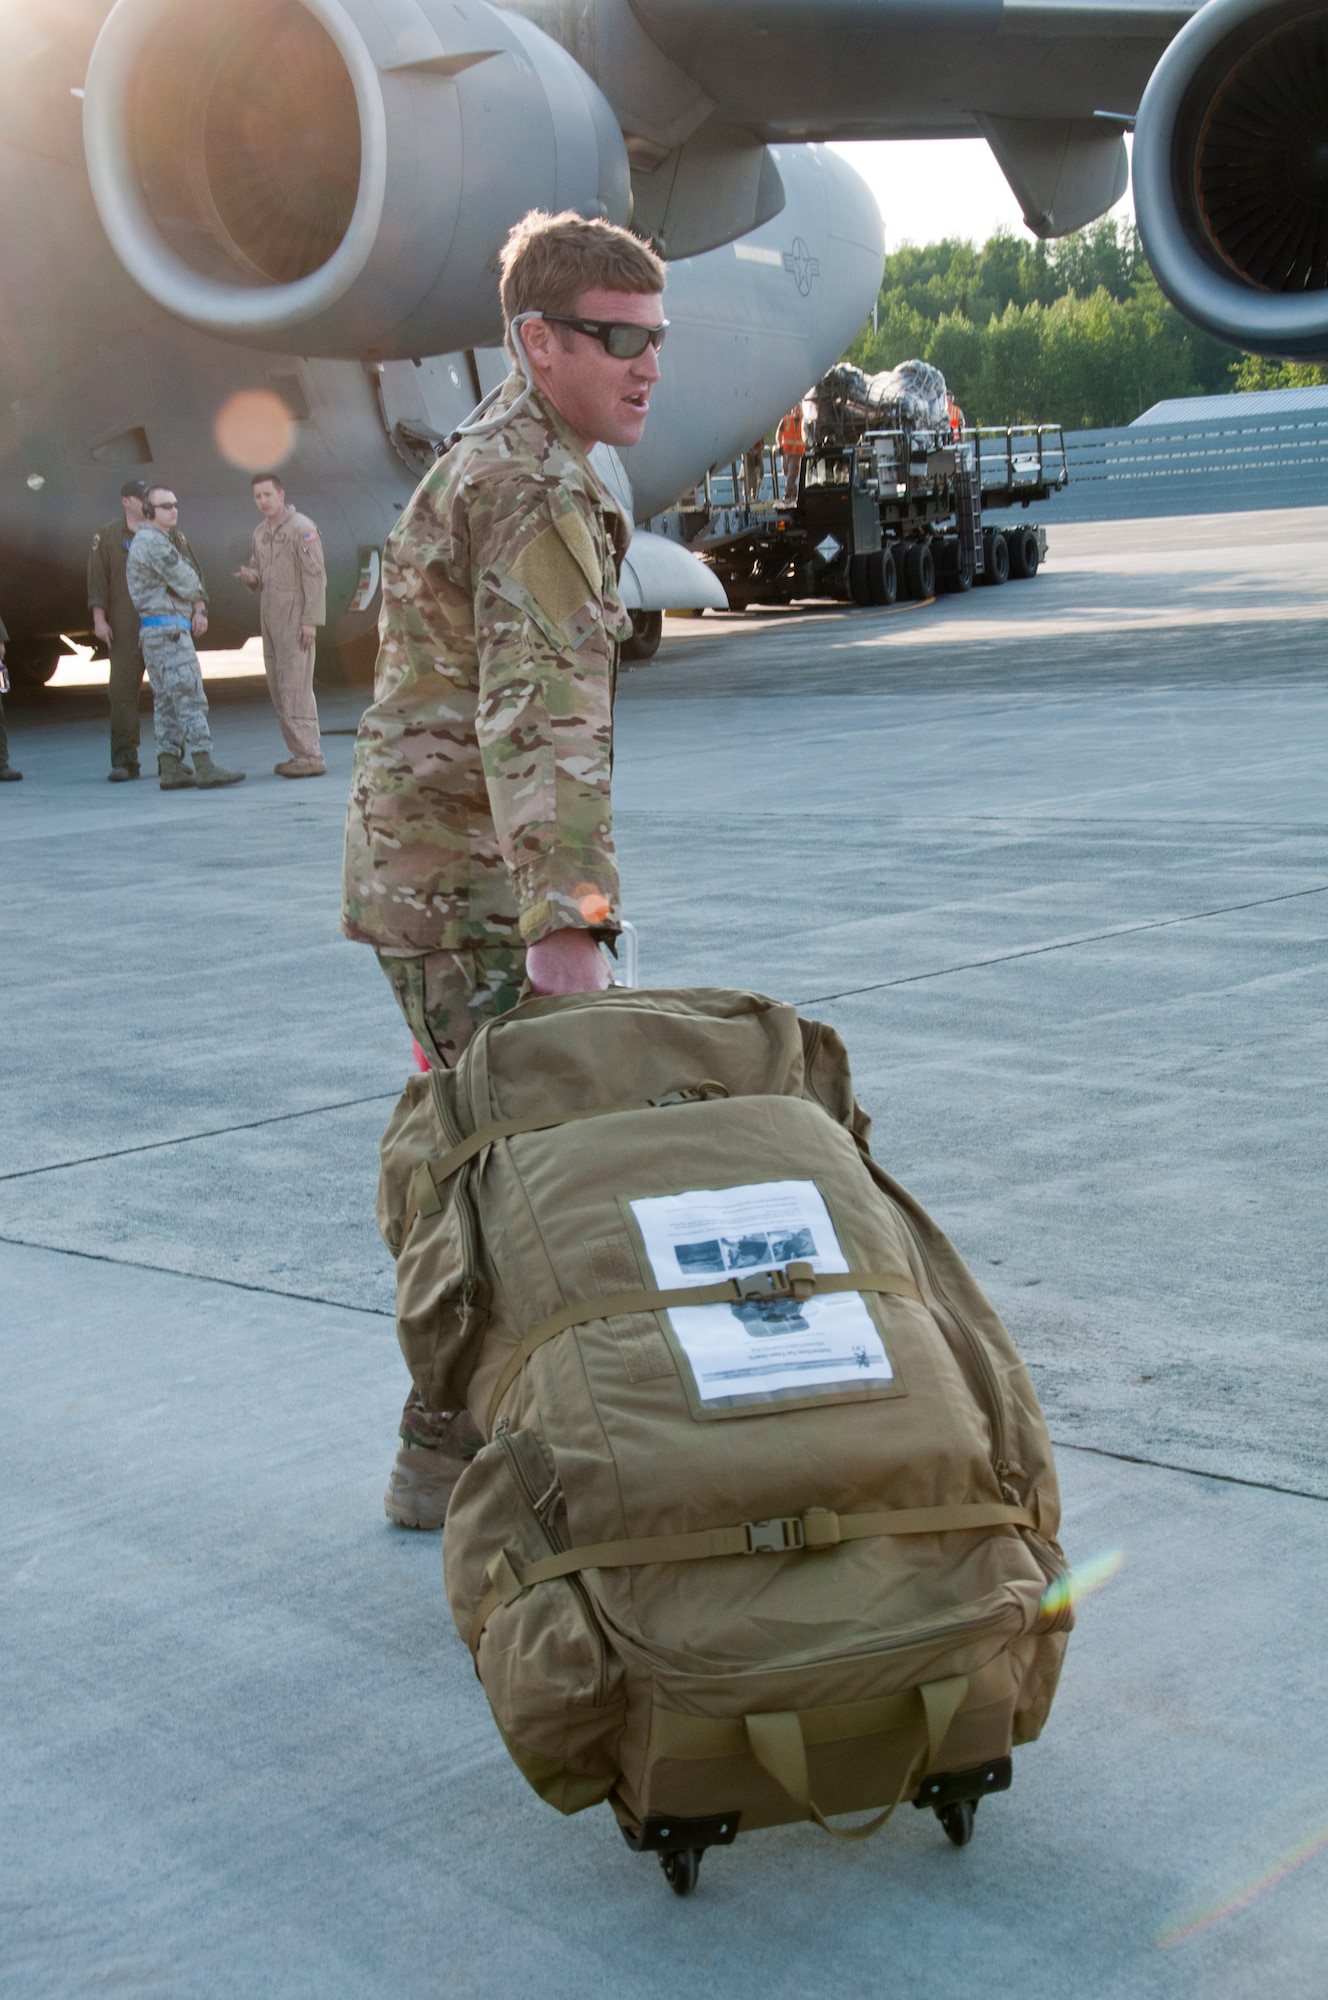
pixel 794 1281
pixel 779 1746
pixel 430 1174
pixel 818 1528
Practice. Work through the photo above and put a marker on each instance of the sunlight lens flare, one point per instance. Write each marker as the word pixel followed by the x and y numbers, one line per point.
pixel 1073 1585
pixel 1239 1898
pixel 254 430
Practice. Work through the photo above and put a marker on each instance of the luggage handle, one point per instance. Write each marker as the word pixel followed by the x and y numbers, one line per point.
pixel 777 1743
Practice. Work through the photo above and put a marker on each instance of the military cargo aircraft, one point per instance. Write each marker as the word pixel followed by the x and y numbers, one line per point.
pixel 242 233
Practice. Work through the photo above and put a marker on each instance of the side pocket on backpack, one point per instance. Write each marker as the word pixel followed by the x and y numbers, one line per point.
pixel 554 1683
pixel 442 1297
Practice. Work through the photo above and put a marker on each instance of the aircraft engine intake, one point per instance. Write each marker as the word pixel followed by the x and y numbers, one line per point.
pixel 346 193
pixel 1231 174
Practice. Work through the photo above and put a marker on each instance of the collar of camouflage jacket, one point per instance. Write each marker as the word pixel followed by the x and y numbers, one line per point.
pixel 545 432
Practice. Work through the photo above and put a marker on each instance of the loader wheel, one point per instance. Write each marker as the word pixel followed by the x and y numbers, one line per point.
pixel 995 557
pixel 1024 557
pixel 882 577
pixel 957 1819
pixel 919 571
pixel 961 577
pixel 681 1869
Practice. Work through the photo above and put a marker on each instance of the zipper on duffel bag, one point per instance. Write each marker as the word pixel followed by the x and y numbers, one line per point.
pixel 960 1631
pixel 1006 1468
pixel 524 1456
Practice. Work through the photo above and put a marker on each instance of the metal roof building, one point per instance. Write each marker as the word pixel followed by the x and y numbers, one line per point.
pixel 1202 455
pixel 1241 405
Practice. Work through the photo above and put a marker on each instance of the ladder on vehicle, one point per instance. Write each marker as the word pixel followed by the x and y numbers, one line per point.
pixel 968 508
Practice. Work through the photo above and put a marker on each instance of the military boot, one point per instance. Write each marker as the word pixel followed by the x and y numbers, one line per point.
pixel 435 1450
pixel 207 775
pixel 172 774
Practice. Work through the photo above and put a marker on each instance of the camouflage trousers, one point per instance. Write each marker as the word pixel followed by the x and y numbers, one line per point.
pixel 446 995
pixel 179 705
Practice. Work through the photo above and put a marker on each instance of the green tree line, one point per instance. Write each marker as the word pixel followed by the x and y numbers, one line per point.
pixel 1075 332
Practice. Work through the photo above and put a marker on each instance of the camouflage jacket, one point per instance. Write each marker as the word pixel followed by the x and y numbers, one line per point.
pixel 108 583
pixel 479 806
pixel 162 580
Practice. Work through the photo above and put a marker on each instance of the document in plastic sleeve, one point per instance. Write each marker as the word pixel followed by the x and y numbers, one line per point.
pixel 759 1346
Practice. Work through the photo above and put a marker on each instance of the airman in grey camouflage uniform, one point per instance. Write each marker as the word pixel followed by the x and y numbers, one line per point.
pixel 479 823
pixel 165 587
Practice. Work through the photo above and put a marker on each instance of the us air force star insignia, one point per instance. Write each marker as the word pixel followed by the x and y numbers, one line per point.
pixel 803 265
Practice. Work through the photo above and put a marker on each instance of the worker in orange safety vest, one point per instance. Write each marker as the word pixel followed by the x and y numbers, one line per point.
pixel 791 446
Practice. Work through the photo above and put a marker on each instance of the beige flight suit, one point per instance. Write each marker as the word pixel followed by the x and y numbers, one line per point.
pixel 288 555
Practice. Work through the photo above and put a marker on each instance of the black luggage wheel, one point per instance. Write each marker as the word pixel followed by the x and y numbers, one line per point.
pixel 957 1819
pixel 953 1795
pixel 680 1843
pixel 681 1868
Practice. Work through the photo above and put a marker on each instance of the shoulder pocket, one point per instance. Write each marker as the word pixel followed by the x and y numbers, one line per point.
pixel 580 545
pixel 548 572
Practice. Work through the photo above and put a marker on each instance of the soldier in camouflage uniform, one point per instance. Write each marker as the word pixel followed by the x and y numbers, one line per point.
pixel 479 845
pixel 165 589
pixel 116 621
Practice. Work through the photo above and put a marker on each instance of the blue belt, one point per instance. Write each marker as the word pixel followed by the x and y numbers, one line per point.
pixel 171 619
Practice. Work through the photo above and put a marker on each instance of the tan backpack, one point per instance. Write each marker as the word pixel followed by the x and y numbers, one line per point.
pixel 766 1521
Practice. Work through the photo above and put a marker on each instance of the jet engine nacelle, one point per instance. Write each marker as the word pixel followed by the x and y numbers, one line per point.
pixel 334 177
pixel 1231 174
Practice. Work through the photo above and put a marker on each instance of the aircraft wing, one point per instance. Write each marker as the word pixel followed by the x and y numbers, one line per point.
pixel 894 69
pixel 1050 84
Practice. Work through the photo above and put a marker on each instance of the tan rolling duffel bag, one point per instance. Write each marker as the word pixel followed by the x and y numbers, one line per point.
pixel 766 1521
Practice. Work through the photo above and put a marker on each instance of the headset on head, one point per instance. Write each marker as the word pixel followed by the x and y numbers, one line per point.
pixel 478 424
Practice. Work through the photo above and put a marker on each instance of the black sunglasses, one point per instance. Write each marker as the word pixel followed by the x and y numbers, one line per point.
pixel 622 338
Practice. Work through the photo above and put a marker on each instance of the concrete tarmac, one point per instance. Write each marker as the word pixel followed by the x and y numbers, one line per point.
pixel 1052 859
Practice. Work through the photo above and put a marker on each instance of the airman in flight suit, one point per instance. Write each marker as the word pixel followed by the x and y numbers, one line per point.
pixel 288 570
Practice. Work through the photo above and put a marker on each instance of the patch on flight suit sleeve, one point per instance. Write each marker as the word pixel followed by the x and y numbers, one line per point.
pixel 547 569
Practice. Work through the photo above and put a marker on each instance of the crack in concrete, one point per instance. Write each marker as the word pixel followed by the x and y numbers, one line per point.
pixel 189 1138
pixel 194 1277
pixel 1191 1471
pixel 380 1312
pixel 1062 944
